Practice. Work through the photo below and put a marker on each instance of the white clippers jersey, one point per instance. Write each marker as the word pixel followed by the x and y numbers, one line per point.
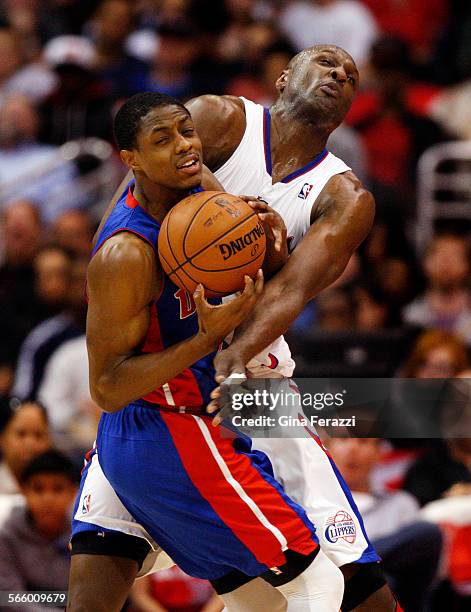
pixel 248 172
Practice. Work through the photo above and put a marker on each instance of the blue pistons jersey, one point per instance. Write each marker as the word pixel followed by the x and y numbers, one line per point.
pixel 173 314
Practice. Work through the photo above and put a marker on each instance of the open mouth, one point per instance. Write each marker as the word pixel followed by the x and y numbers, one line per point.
pixel 191 166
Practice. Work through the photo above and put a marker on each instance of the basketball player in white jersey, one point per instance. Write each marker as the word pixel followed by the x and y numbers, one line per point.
pixel 280 156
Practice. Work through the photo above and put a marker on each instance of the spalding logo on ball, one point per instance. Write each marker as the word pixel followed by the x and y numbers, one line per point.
pixel 212 238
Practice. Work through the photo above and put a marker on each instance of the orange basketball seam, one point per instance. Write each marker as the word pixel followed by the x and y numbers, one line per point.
pixel 167 224
pixel 181 269
pixel 214 241
pixel 222 293
pixel 192 221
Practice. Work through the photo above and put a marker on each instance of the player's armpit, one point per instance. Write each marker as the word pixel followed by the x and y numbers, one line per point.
pixel 343 217
pixel 220 123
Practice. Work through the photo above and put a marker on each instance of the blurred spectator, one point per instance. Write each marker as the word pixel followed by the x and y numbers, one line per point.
pixel 154 12
pixel 372 308
pixel 28 169
pixel 21 16
pixel 446 303
pixel 346 23
pixel 442 472
pixel 172 71
pixel 231 42
pixel 307 320
pixel 334 310
pixel 52 272
pixel 34 540
pixel 389 259
pixel 172 590
pixel 10 58
pixel 264 54
pixel 110 27
pixel 65 392
pixel 392 520
pixel 393 109
pixel 24 434
pixel 416 22
pixel 79 106
pixel 57 17
pixel 345 142
pixel 384 512
pixel 34 80
pixel 274 60
pixel 53 332
pixel 436 354
pixel 73 230
pixel 19 307
pixel 22 233
pixel 6 378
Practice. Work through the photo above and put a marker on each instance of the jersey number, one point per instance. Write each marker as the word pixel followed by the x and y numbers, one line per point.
pixel 187 303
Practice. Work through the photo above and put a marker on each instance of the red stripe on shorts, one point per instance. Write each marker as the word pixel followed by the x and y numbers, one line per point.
pixel 207 476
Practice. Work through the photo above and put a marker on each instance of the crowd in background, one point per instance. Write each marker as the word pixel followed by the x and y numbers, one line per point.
pixel 65 67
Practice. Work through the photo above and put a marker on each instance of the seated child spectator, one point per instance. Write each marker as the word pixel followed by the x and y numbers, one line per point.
pixel 34 540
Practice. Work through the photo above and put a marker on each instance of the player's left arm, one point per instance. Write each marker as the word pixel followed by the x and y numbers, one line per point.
pixel 341 219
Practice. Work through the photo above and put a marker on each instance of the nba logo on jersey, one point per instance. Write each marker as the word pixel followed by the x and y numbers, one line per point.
pixel 305 190
pixel 86 504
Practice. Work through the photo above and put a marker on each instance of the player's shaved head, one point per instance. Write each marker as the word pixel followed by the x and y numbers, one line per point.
pixel 128 119
pixel 306 54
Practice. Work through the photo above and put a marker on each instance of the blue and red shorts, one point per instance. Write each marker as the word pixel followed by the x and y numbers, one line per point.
pixel 208 500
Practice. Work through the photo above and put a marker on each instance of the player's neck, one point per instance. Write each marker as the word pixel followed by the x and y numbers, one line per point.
pixel 294 140
pixel 155 199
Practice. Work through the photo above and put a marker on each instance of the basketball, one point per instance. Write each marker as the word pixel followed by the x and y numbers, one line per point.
pixel 212 238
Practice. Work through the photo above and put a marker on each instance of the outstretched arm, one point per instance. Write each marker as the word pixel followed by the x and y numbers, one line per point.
pixel 342 218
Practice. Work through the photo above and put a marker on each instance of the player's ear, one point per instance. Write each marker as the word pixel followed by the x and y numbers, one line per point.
pixel 129 159
pixel 281 81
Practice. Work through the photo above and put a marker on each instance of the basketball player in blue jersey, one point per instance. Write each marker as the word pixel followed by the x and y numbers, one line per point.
pixel 326 224
pixel 196 490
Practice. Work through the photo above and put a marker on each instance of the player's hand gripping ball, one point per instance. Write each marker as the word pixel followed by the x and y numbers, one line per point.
pixel 212 238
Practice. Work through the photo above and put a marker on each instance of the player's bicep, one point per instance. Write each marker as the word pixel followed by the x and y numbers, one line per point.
pixel 344 217
pixel 120 283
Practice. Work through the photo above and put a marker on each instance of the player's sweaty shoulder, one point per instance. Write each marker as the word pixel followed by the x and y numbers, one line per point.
pixel 220 123
pixel 125 261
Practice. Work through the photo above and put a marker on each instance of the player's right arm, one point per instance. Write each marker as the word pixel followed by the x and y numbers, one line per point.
pixel 121 287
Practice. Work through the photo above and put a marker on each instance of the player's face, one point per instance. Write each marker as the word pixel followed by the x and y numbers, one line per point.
pixel 324 81
pixel 169 151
